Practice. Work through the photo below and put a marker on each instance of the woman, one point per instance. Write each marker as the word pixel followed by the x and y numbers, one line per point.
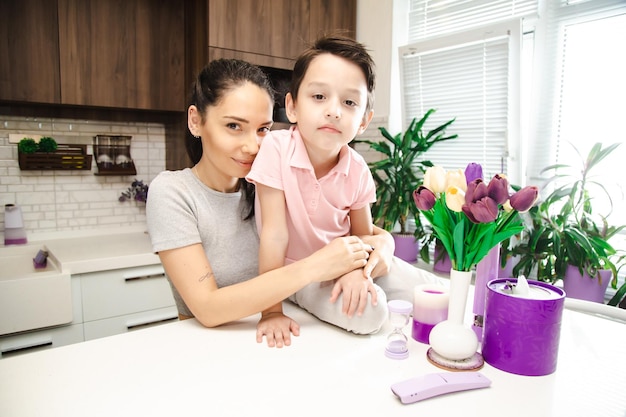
pixel 201 220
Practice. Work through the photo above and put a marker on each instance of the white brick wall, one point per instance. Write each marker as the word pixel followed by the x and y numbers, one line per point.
pixel 53 201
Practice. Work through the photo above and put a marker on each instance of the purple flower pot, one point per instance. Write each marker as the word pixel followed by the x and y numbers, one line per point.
pixel 406 247
pixel 584 287
pixel 521 335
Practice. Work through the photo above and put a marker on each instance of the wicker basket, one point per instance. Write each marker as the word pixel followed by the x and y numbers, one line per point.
pixel 66 157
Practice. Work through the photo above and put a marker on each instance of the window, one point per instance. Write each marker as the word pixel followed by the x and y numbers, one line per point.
pixel 466 77
pixel 580 94
pixel 520 91
pixel 464 61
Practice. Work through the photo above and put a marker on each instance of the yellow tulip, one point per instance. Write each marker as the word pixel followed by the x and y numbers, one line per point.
pixel 456 178
pixel 455 198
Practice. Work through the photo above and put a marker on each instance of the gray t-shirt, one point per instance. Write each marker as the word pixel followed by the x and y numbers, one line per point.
pixel 182 211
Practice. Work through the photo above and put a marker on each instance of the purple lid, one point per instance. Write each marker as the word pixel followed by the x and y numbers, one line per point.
pixel 545 307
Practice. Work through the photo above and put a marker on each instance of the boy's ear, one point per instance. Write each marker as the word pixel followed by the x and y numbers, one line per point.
pixel 366 121
pixel 194 121
pixel 290 108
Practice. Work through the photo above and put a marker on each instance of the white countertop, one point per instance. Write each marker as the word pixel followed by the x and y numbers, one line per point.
pixel 183 369
pixel 100 252
pixel 86 251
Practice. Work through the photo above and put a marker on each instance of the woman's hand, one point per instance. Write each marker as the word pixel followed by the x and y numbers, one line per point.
pixel 354 289
pixel 277 329
pixel 380 259
pixel 340 256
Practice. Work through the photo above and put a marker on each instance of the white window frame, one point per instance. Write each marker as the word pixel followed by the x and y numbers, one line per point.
pixel 512 154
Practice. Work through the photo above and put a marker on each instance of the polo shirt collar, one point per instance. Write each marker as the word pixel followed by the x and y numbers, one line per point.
pixel 300 157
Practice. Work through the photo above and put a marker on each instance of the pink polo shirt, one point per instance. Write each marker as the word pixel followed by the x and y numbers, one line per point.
pixel 317 209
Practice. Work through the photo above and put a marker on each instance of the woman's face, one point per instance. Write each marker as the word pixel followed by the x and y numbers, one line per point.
pixel 231 133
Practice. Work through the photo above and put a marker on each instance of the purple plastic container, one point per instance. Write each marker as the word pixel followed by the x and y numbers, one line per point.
pixel 521 335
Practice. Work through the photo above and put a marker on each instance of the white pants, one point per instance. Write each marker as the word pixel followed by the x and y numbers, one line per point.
pixel 398 284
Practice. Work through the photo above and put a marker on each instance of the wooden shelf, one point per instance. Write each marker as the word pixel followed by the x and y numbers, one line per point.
pixel 66 157
pixel 112 169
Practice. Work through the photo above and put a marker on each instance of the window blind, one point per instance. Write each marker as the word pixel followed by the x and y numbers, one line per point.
pixel 467 77
pixel 579 88
pixel 430 18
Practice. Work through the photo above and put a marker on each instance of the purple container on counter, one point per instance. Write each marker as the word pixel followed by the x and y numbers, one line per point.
pixel 521 333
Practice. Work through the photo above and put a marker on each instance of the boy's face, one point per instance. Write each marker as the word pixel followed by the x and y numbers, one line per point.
pixel 331 104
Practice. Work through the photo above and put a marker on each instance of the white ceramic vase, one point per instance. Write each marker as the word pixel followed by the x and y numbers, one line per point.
pixel 451 339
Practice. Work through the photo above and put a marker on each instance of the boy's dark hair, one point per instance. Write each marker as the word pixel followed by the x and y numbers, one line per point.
pixel 343 47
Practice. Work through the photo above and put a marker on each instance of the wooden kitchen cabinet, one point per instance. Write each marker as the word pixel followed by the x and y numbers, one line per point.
pixel 96 53
pixel 125 54
pixel 29 47
pixel 331 16
pixel 276 28
pixel 273 33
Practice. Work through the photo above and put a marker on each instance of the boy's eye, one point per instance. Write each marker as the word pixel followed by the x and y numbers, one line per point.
pixel 351 103
pixel 318 96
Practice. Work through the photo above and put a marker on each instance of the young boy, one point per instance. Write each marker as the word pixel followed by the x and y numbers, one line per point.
pixel 312 187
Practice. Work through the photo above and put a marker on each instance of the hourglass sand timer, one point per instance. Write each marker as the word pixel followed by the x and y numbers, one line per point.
pixel 399 314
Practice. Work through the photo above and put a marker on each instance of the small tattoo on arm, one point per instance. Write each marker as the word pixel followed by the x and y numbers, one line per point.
pixel 205 276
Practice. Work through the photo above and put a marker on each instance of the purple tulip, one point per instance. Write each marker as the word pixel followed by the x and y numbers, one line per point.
pixel 473 171
pixel 484 210
pixel 424 198
pixel 476 190
pixel 524 199
pixel 498 189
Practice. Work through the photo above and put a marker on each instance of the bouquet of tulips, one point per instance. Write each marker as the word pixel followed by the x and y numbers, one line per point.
pixel 469 216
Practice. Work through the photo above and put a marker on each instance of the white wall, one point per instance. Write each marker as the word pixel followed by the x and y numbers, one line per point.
pixel 382 28
pixel 53 201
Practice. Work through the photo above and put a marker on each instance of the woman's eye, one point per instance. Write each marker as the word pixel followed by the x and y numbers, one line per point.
pixel 264 130
pixel 233 126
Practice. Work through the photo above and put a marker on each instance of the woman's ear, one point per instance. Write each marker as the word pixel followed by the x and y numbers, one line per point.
pixel 290 108
pixel 367 118
pixel 194 120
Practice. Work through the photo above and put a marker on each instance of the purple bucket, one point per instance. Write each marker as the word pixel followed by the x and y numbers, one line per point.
pixel 521 334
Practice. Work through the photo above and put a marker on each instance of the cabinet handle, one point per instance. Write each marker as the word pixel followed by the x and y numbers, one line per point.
pixel 22 345
pixel 146 321
pixel 140 277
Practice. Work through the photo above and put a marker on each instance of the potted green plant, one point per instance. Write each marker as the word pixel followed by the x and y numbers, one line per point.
pixel 565 233
pixel 399 173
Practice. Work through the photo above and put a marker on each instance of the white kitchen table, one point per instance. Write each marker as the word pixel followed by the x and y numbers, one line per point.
pixel 183 369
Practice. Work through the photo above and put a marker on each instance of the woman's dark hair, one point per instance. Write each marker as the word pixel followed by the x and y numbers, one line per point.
pixel 342 47
pixel 210 86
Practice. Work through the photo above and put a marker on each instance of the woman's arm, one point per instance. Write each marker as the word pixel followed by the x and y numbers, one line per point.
pixel 191 274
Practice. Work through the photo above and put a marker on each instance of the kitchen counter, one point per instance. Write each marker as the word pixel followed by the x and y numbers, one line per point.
pixel 99 252
pixel 185 369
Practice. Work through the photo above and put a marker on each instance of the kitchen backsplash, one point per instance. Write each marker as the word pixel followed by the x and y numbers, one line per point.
pixel 59 200
pixel 64 200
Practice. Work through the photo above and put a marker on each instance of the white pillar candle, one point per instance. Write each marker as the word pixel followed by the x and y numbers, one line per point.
pixel 430 304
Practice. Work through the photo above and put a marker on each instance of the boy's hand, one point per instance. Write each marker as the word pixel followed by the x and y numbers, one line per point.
pixel 354 288
pixel 277 329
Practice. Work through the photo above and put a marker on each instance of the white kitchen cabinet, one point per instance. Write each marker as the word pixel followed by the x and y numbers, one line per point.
pixel 104 303
pixel 121 300
pixel 40 339
pixel 129 322
pixel 46 338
